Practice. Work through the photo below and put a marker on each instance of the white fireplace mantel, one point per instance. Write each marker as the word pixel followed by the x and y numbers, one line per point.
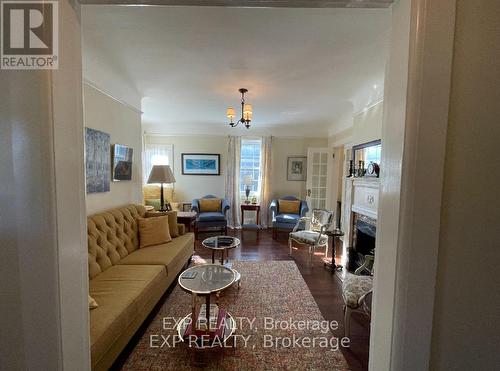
pixel 361 196
pixel 365 197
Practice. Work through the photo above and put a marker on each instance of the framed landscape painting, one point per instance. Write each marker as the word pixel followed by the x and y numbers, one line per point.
pixel 97 160
pixel 200 164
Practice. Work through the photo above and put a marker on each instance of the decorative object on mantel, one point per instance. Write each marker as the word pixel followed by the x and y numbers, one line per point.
pixel 246 112
pixel 162 174
pixel 247 181
pixel 351 169
pixel 373 169
pixel 122 162
pixel 361 169
pixel 97 160
pixel 297 168
pixel 200 164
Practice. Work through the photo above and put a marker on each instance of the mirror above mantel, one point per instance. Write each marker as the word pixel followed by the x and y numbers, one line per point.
pixel 367 155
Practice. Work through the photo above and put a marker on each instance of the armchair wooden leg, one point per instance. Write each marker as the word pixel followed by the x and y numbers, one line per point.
pixel 290 243
pixel 311 253
pixel 196 231
pixel 275 233
pixel 347 321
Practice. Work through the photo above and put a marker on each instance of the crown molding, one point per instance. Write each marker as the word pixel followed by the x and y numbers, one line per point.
pixel 108 94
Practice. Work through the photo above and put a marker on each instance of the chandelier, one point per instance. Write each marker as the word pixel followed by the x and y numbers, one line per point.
pixel 246 112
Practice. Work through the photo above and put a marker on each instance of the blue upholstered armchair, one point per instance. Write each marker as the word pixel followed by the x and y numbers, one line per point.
pixel 216 219
pixel 286 221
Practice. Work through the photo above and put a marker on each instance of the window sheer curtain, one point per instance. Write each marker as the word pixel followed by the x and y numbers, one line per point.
pixel 156 154
pixel 233 181
pixel 265 181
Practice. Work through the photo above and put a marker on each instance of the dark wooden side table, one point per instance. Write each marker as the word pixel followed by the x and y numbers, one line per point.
pixel 250 207
pixel 187 218
pixel 334 233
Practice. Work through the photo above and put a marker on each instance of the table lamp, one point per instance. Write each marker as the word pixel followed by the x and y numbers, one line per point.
pixel 248 181
pixel 161 174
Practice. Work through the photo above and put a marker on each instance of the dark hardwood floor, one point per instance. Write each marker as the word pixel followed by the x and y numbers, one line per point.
pixel 324 286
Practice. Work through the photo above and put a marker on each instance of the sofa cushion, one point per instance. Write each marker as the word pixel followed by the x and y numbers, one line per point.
pixel 287 218
pixel 121 292
pixel 210 205
pixel 172 220
pixel 168 255
pixel 211 217
pixel 112 235
pixel 153 231
pixel 92 303
pixel 289 206
pixel 155 202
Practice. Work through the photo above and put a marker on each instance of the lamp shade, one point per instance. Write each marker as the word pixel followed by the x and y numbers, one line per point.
pixel 247 180
pixel 247 109
pixel 230 113
pixel 161 174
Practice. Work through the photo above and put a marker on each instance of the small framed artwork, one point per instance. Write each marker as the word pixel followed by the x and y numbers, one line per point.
pixel 122 162
pixel 200 164
pixel 297 168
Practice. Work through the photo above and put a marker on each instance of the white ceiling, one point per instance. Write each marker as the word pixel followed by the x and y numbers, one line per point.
pixel 304 68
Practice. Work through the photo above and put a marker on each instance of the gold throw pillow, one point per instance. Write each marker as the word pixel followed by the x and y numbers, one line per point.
pixel 210 205
pixel 153 231
pixel 289 206
pixel 173 227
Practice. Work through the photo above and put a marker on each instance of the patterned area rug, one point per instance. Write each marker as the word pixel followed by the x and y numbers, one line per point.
pixel 279 326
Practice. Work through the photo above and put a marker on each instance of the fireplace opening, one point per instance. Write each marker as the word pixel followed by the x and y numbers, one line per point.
pixel 363 241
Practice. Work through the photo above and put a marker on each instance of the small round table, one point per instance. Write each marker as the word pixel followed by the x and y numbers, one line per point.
pixel 334 233
pixel 223 244
pixel 205 280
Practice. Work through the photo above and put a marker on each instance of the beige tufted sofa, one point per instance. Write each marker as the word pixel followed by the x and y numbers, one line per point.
pixel 127 282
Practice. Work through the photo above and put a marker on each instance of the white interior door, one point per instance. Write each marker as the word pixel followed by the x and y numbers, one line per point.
pixel 319 164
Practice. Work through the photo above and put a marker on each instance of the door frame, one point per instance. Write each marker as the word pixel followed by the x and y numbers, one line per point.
pixel 411 184
pixel 413 175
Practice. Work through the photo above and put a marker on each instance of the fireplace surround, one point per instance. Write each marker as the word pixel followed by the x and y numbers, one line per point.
pixel 364 229
pixel 360 220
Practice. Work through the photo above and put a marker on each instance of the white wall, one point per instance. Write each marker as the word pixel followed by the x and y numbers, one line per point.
pixel 123 123
pixel 367 125
pixel 466 313
pixel 188 187
pixel 44 281
pixel 282 149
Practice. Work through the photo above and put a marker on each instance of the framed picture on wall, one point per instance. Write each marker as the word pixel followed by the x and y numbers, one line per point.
pixel 297 168
pixel 200 163
pixel 122 162
pixel 97 160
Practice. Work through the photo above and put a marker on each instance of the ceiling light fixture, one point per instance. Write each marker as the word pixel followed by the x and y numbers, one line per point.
pixel 246 112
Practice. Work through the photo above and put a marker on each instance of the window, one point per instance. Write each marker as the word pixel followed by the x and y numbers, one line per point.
pixel 250 166
pixel 156 154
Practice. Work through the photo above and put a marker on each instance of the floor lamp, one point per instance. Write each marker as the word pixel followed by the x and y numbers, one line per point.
pixel 161 174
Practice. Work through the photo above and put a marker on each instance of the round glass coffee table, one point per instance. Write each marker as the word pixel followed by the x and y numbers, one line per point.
pixel 223 244
pixel 205 280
